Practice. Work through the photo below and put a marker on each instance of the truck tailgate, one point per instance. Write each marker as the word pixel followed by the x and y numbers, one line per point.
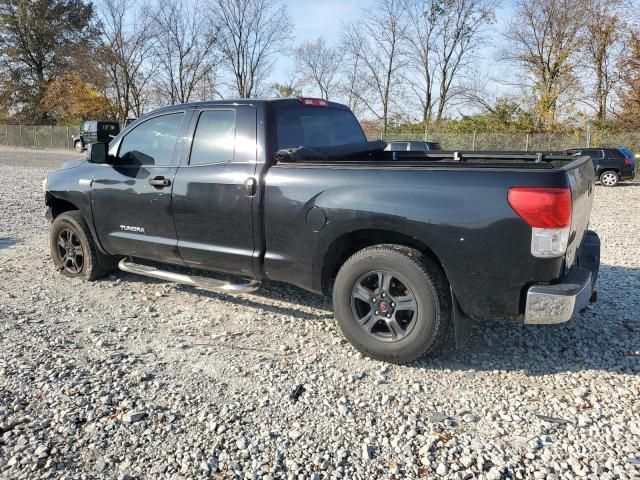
pixel 582 180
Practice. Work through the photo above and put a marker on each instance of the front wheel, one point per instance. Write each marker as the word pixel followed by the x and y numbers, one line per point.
pixel 72 247
pixel 78 146
pixel 609 179
pixel 392 303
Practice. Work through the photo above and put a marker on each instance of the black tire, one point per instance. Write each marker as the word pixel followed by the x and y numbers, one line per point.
pixel 70 228
pixel 78 146
pixel 609 178
pixel 412 274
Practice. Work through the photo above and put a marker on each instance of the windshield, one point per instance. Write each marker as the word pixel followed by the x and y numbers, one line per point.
pixel 627 153
pixel 317 127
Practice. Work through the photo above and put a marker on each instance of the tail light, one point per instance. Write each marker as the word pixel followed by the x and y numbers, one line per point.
pixel 628 161
pixel 313 102
pixel 548 212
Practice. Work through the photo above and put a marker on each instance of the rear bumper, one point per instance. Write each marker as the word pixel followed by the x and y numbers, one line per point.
pixel 627 175
pixel 558 303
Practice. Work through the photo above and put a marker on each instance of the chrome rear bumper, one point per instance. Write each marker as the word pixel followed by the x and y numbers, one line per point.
pixel 549 304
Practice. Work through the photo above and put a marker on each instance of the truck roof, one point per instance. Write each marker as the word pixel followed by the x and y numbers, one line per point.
pixel 274 102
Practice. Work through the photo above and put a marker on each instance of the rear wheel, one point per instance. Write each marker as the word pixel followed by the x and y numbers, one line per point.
pixel 609 179
pixel 78 146
pixel 392 303
pixel 72 247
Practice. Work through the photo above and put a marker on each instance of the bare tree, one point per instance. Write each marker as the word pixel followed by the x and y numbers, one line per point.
pixel 441 37
pixel 291 87
pixel 353 87
pixel 421 36
pixel 184 52
pixel 319 65
pixel 251 33
pixel 544 39
pixel 125 45
pixel 461 32
pixel 604 47
pixel 375 41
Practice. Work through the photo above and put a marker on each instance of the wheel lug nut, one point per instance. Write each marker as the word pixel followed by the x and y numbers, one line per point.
pixel 374 300
pixel 384 295
pixel 393 304
pixel 376 312
pixel 388 315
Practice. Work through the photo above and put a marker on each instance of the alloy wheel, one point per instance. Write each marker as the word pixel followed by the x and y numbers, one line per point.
pixel 70 251
pixel 384 305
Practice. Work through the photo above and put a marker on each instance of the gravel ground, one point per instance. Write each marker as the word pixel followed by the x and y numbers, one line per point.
pixel 134 378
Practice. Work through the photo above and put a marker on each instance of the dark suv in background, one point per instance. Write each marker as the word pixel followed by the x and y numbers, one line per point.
pixel 94 131
pixel 611 164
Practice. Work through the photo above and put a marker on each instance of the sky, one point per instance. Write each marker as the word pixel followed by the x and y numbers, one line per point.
pixel 324 18
pixel 317 18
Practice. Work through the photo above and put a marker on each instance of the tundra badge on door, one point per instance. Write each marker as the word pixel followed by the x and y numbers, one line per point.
pixel 127 228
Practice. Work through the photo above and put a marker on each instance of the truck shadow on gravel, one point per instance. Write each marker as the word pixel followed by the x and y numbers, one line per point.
pixel 605 337
pixel 628 184
pixel 7 242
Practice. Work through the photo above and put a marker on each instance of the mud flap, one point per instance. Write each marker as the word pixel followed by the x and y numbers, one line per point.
pixel 462 323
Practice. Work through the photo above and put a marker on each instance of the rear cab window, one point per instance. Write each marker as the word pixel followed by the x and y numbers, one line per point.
pixel 316 127
pixel 108 127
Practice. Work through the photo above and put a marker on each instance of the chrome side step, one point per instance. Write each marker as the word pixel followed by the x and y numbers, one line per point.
pixel 205 283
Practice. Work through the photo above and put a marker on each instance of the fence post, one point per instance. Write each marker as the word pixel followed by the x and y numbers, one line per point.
pixel 68 147
pixel 526 143
pixel 588 136
pixel 35 137
pixel 6 133
pixel 50 136
pixel 473 148
pixel 20 133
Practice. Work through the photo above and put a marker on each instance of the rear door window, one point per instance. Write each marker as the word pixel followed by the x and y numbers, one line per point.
pixel 317 127
pixel 215 137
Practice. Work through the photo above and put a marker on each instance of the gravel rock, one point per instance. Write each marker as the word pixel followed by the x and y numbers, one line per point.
pixel 132 417
pixel 209 386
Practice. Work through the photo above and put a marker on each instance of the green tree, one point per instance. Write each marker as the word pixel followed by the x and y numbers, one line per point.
pixel 39 41
pixel 69 99
pixel 629 66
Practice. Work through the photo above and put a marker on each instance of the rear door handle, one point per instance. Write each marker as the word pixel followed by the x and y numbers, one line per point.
pixel 250 185
pixel 160 182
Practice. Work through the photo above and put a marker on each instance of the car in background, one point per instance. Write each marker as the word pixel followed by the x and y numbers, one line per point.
pixel 95 131
pixel 412 147
pixel 612 165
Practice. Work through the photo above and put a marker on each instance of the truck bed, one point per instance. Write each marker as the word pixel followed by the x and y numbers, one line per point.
pixel 452 203
pixel 371 153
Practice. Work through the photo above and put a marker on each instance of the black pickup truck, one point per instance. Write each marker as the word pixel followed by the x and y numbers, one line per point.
pixel 411 245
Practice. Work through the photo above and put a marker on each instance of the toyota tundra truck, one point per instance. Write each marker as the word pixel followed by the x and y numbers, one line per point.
pixel 412 246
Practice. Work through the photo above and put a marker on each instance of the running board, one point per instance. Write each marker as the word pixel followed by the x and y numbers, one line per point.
pixel 205 283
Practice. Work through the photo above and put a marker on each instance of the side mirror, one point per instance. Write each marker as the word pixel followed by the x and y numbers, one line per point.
pixel 98 153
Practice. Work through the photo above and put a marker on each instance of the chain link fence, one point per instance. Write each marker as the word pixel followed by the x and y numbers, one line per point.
pixel 517 141
pixel 59 137
pixel 38 136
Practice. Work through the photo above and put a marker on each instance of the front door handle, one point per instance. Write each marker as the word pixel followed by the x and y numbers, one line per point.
pixel 160 182
pixel 250 185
